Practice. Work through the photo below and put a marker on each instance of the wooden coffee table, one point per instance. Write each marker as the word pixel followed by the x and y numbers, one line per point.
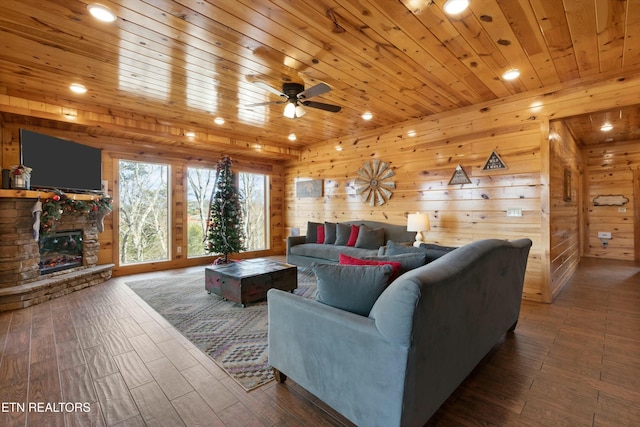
pixel 249 280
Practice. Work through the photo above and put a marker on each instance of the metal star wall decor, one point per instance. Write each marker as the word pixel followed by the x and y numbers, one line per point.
pixel 373 182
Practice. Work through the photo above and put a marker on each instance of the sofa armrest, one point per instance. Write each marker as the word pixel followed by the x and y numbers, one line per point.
pixel 338 356
pixel 295 240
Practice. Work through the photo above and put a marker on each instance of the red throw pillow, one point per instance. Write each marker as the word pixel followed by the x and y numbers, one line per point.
pixel 353 237
pixel 349 260
pixel 320 234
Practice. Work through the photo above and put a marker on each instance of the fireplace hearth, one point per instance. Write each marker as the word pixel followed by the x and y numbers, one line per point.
pixel 60 250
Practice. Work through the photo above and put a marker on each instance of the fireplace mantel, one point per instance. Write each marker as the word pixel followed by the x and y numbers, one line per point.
pixel 34 194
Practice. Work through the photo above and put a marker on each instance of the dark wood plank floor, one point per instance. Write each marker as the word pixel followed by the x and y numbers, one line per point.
pixel 575 362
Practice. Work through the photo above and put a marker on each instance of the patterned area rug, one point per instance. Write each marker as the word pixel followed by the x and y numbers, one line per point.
pixel 233 336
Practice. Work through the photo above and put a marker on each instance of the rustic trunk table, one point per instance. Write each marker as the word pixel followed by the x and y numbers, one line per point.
pixel 249 280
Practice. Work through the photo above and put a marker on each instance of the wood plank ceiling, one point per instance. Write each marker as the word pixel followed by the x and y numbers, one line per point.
pixel 164 68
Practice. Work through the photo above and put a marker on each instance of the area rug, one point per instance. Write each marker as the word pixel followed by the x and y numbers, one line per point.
pixel 233 336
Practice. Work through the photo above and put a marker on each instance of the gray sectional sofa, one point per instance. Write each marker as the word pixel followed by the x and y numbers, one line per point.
pixel 305 250
pixel 397 361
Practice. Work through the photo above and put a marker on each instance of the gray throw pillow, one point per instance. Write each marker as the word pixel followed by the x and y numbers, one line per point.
pixel 370 238
pixel 353 288
pixel 329 233
pixel 407 261
pixel 394 248
pixel 312 232
pixel 343 231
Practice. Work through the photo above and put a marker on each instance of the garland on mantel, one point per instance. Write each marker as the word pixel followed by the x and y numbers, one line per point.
pixel 60 204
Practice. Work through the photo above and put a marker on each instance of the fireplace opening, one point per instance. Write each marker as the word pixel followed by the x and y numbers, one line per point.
pixel 60 250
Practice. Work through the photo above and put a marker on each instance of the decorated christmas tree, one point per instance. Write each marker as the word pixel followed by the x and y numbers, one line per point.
pixel 225 233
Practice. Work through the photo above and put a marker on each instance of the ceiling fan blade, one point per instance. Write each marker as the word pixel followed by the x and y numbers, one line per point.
pixel 273 90
pixel 316 90
pixel 322 106
pixel 262 104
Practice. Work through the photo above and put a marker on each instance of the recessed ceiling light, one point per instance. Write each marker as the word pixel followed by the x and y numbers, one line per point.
pixel 218 121
pixel 77 88
pixel 511 74
pixel 338 148
pixel 411 133
pixel 190 134
pixel 453 7
pixel 292 137
pixel 606 127
pixel 101 13
pixel 367 116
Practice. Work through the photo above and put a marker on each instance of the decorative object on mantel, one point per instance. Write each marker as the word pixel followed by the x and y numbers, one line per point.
pixel 309 188
pixel 419 223
pixel 60 204
pixel 225 233
pixel 610 200
pixel 373 182
pixel 20 177
pixel 494 162
pixel 459 177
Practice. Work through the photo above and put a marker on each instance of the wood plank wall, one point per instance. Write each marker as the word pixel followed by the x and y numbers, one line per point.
pixel 611 169
pixel 115 149
pixel 565 177
pixel 459 213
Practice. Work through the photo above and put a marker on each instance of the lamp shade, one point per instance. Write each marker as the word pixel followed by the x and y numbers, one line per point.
pixel 418 222
pixel 289 110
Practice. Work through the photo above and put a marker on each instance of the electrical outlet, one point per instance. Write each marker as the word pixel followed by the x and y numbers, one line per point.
pixel 622 210
pixel 514 212
pixel 179 249
pixel 604 235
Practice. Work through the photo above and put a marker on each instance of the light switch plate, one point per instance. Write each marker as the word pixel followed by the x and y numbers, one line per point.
pixel 604 235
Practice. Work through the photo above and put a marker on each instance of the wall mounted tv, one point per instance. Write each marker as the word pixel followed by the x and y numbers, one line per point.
pixel 60 164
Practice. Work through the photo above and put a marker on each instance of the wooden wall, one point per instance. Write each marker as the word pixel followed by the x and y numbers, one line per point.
pixel 566 200
pixel 115 149
pixel 612 169
pixel 459 213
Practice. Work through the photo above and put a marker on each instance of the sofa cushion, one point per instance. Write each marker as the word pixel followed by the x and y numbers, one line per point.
pixel 353 288
pixel 407 261
pixel 312 232
pixel 320 238
pixel 329 233
pixel 432 251
pixel 343 231
pixel 353 236
pixel 349 260
pixel 369 238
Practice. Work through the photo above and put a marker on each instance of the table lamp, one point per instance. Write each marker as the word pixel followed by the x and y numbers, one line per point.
pixel 418 222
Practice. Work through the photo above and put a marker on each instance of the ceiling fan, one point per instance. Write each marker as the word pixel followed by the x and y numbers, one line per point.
pixel 295 96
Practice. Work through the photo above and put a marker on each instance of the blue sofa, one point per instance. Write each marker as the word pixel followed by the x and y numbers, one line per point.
pixel 423 335
pixel 304 250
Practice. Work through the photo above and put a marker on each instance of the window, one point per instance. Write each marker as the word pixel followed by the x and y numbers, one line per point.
pixel 144 212
pixel 255 193
pixel 200 185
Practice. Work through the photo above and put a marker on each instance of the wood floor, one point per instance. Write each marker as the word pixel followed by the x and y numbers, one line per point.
pixel 575 362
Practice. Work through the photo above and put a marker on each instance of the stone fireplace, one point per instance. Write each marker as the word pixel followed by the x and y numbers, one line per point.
pixel 22 282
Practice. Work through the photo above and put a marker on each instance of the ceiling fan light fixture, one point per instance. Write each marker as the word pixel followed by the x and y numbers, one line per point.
pixel 511 74
pixel 606 127
pixel 300 111
pixel 290 110
pixel 101 13
pixel 454 7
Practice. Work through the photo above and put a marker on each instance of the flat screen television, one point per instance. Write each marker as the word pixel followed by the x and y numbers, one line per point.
pixel 60 164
